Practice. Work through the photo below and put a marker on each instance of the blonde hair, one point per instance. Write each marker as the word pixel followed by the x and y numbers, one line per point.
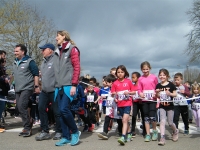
pixel 145 63
pixel 113 69
pixel 195 86
pixel 67 36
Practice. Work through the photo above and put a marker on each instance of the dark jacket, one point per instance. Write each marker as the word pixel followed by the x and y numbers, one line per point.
pixel 4 87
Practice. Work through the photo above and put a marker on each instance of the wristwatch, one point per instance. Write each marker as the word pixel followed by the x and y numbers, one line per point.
pixel 36 86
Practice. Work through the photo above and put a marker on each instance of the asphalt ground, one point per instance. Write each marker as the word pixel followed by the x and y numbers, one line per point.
pixel 9 140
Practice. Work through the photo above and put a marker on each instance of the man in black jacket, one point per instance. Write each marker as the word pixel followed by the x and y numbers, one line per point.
pixel 4 85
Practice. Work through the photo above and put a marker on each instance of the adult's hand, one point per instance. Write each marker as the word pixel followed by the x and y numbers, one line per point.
pixel 73 91
pixel 37 90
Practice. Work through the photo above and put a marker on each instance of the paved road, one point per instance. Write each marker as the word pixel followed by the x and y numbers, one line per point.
pixel 9 140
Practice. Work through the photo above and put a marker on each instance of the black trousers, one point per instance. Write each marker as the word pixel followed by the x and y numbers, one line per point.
pixel 22 99
pixel 53 113
pixel 183 111
pixel 91 116
pixel 136 108
pixel 107 123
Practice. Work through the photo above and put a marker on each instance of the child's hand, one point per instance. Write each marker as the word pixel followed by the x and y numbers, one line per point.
pixel 133 92
pixel 126 93
pixel 141 95
pixel 103 97
pixel 168 93
pixel 85 91
pixel 157 90
pixel 113 94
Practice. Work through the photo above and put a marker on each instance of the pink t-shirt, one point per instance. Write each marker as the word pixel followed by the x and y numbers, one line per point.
pixel 147 83
pixel 119 87
pixel 96 89
pixel 135 88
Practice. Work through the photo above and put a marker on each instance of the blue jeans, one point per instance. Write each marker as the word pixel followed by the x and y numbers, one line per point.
pixel 67 120
pixel 123 110
pixel 2 106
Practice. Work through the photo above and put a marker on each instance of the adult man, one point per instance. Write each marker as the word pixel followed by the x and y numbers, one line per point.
pixel 26 76
pixel 4 85
pixel 67 71
pixel 47 94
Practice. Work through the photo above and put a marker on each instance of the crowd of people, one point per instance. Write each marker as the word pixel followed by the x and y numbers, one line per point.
pixel 56 94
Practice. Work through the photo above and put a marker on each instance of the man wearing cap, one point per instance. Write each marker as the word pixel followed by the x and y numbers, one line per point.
pixel 47 94
pixel 26 76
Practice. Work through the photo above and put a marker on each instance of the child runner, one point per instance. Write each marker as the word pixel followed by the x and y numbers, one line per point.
pixel 103 96
pixel 96 89
pixel 110 108
pixel 122 88
pixel 196 104
pixel 190 117
pixel 137 105
pixel 180 104
pixel 146 89
pixel 113 71
pixel 91 106
pixel 166 90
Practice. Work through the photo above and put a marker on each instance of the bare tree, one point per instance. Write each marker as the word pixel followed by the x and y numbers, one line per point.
pixel 193 48
pixel 21 23
pixel 191 74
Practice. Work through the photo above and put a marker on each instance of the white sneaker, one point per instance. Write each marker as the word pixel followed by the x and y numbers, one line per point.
pixel 198 129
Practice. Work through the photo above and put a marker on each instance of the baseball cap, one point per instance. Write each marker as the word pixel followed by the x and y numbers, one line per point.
pixel 48 45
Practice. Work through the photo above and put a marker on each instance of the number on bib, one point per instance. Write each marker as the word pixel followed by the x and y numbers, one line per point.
pixel 90 98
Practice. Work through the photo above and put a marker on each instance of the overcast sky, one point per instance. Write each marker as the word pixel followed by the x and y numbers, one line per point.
pixel 114 32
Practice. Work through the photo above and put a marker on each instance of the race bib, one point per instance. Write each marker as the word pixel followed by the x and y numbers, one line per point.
pixel 164 96
pixel 198 106
pixel 136 95
pixel 197 100
pixel 148 94
pixel 104 95
pixel 90 98
pixel 178 98
pixel 121 96
pixel 109 101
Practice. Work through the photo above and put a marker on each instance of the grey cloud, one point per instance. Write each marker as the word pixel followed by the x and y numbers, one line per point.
pixel 110 33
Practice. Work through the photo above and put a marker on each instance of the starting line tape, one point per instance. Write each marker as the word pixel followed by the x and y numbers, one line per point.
pixel 149 100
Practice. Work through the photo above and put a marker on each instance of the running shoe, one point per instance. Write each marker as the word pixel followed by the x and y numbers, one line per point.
pixel 161 142
pixel 103 135
pixel 155 135
pixel 62 142
pixel 121 140
pixel 175 136
pixel 147 138
pixel 129 138
pixel 75 138
pixel 186 132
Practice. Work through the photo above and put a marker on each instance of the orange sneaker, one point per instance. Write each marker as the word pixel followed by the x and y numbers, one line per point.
pixel 90 129
pixel 2 130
